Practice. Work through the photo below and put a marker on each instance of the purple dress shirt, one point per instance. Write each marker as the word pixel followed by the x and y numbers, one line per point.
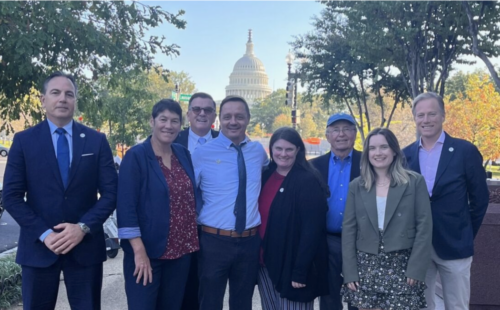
pixel 429 161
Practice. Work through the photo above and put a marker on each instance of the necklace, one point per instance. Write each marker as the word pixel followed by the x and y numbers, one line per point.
pixel 382 184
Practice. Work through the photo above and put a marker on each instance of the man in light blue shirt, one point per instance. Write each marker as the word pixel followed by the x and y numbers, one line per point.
pixel 201 115
pixel 228 171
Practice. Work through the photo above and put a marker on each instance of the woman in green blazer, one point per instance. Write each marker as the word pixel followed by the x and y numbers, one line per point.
pixel 387 230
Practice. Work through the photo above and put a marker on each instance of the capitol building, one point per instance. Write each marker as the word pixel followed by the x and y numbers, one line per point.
pixel 249 79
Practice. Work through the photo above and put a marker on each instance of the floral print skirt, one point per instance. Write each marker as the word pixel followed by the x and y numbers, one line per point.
pixel 382 282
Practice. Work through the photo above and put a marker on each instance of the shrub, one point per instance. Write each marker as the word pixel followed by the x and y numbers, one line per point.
pixel 10 281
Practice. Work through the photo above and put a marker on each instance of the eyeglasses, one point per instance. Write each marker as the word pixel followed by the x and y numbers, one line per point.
pixel 337 131
pixel 197 110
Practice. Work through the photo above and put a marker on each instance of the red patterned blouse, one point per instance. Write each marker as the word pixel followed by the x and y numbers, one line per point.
pixel 183 235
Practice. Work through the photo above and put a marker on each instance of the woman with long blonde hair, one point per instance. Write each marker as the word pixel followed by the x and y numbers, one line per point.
pixel 387 230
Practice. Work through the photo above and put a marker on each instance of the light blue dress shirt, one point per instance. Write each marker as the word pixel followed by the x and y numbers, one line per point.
pixel 339 174
pixel 55 136
pixel 216 172
pixel 193 140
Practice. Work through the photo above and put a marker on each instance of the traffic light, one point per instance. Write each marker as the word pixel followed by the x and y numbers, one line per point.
pixel 289 93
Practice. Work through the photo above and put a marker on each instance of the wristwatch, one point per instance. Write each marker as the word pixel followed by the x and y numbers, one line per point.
pixel 84 228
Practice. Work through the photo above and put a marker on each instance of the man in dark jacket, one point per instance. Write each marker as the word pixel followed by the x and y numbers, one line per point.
pixel 456 181
pixel 338 168
pixel 201 115
pixel 60 165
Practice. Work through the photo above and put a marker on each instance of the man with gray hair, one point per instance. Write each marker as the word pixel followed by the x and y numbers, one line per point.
pixel 456 181
pixel 338 168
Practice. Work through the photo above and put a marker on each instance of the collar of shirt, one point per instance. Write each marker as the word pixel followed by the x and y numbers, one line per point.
pixel 226 142
pixel 192 135
pixel 439 140
pixel 68 127
pixel 335 159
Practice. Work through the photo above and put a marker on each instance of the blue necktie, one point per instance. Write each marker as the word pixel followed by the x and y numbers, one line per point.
pixel 240 207
pixel 63 155
pixel 202 141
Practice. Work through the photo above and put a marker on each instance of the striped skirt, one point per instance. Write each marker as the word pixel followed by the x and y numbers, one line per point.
pixel 271 299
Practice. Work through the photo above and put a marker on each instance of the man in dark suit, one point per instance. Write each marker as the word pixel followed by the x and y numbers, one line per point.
pixel 201 115
pixel 60 166
pixel 338 168
pixel 456 181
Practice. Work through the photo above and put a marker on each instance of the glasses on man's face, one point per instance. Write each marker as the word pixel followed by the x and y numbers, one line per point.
pixel 337 131
pixel 197 110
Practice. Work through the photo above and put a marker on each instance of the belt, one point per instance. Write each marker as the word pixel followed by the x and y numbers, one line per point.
pixel 230 233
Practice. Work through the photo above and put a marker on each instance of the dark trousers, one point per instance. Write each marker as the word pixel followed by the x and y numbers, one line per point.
pixel 83 285
pixel 166 290
pixel 190 301
pixel 222 258
pixel 333 301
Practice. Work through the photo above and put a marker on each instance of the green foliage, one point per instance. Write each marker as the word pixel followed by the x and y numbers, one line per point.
pixel 126 109
pixel 89 39
pixel 12 287
pixel 266 110
pixel 281 120
pixel 313 114
pixel 400 48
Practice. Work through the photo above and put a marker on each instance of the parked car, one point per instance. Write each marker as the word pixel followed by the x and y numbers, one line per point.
pixel 4 151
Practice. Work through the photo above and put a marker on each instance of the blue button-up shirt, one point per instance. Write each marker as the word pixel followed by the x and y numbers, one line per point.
pixel 69 136
pixel 55 136
pixel 339 173
pixel 216 172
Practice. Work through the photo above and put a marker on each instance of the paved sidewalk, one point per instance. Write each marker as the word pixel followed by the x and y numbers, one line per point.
pixel 113 291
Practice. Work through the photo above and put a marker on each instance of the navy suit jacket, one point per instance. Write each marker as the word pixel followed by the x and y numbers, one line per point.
pixel 32 170
pixel 183 137
pixel 143 196
pixel 459 198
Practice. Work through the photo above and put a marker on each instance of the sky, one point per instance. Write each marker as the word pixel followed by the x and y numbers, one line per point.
pixel 217 31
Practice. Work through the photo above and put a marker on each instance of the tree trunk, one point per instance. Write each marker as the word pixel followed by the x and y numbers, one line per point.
pixel 475 45
pixel 396 101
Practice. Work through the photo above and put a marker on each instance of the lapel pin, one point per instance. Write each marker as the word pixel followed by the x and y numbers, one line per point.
pixel 82 135
pixel 281 190
pixel 451 149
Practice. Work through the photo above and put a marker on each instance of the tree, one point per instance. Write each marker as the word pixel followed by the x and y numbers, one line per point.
pixel 358 46
pixel 281 120
pixel 103 38
pixel 333 67
pixel 265 111
pixel 257 131
pixel 162 87
pixel 126 109
pixel 483 18
pixel 420 38
pixel 474 116
pixel 307 127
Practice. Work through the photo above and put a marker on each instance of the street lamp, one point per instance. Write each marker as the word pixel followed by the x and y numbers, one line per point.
pixel 291 88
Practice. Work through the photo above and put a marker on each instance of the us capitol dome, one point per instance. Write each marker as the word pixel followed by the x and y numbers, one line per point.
pixel 249 79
